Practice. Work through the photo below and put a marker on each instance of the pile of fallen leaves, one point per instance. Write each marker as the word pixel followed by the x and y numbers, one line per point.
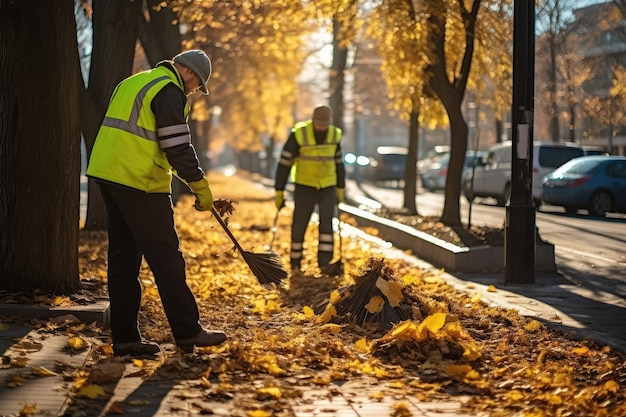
pixel 317 330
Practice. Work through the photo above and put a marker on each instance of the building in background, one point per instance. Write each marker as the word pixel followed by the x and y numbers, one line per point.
pixel 598 35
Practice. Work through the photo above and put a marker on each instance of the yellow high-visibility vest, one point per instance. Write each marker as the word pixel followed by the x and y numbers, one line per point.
pixel 127 149
pixel 315 166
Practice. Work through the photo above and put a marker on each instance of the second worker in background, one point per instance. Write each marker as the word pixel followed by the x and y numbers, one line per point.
pixel 313 150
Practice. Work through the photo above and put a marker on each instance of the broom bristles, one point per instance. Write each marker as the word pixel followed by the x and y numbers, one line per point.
pixel 267 267
pixel 352 301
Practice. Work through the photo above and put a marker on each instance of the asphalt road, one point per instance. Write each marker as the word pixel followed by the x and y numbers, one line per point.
pixel 589 251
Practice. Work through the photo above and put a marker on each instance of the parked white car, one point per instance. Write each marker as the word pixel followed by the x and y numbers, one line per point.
pixel 492 175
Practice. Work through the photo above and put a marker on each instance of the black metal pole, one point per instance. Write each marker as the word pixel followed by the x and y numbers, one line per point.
pixel 520 227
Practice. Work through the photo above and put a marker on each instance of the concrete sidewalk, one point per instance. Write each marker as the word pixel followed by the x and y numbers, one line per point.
pixel 554 300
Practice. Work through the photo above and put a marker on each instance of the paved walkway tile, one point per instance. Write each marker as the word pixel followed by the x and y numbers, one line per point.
pixel 47 393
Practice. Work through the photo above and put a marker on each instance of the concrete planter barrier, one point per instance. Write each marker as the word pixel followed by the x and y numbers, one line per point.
pixel 443 254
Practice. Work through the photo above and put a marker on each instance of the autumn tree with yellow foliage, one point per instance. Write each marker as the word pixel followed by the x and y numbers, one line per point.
pixel 433 52
pixel 258 50
pixel 470 45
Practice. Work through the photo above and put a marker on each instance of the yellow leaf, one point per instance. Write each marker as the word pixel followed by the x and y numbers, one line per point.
pixel 273 392
pixel 77 343
pixel 400 408
pixel 515 395
pixel 91 391
pixel 308 311
pixel 396 384
pixel 378 395
pixel 259 306
pixel 41 371
pixel 612 386
pixel 491 288
pixel 60 301
pixel 328 314
pixel 362 345
pixel 331 328
pixel 476 298
pixel 380 373
pixel 28 409
pixel 375 305
pixel 555 400
pixel 473 375
pixel 275 370
pixel 583 350
pixel 258 413
pixel 392 290
pixel 334 297
pixel 272 306
pixel 405 330
pixel 472 351
pixel 532 326
pixel 457 370
pixel 435 322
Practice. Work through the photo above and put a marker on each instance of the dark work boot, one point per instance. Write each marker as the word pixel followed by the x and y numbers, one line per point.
pixel 136 349
pixel 332 270
pixel 202 339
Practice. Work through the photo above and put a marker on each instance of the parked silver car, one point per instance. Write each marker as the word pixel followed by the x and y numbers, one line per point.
pixel 434 175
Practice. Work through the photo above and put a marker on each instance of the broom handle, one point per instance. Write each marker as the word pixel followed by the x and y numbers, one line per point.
pixel 274 228
pixel 223 224
pixel 339 230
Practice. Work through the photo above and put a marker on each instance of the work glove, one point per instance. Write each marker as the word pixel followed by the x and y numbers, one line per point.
pixel 280 199
pixel 204 197
pixel 341 195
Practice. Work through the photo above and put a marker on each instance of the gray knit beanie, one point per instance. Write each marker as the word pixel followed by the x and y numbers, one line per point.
pixel 197 61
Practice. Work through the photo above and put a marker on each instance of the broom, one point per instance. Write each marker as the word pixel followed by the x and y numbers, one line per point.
pixel 375 298
pixel 267 267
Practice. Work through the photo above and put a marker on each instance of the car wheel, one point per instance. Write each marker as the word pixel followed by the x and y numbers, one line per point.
pixel 600 203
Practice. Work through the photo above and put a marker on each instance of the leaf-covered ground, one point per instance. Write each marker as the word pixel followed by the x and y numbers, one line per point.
pixel 319 330
pixel 476 235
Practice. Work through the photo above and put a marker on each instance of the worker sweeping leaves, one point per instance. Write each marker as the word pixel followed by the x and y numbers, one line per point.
pixel 313 155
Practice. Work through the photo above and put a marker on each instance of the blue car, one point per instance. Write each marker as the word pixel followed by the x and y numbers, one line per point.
pixel 595 183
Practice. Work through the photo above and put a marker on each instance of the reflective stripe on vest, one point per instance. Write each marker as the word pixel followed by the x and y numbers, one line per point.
pixel 315 166
pixel 130 125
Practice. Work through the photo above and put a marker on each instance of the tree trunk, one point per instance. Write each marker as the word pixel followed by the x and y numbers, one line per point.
pixel 160 37
pixel 340 59
pixel 410 172
pixel 39 146
pixel 451 93
pixel 115 28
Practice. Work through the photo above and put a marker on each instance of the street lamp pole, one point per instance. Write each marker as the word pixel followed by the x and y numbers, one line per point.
pixel 520 225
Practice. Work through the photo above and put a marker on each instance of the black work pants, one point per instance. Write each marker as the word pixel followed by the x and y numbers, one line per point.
pixel 305 199
pixel 142 225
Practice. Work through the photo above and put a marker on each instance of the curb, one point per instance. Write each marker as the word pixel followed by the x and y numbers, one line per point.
pixel 445 254
pixel 96 312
